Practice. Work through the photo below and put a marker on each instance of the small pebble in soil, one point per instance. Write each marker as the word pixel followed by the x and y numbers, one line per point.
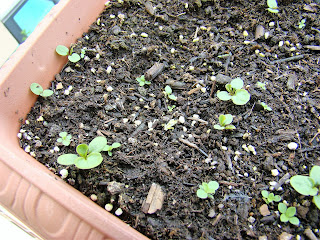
pixel 56 149
pixel 40 119
pixel 93 197
pixel 27 149
pixel 292 146
pixel 118 212
pixel 64 173
pixel 182 119
pixel 274 172
pixel 245 33
pixel 108 207
pixel 109 69
pixel 271 24
pixel 109 89
pixel 251 219
pixel 145 35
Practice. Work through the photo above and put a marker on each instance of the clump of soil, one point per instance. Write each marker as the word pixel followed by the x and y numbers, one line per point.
pixel 197 47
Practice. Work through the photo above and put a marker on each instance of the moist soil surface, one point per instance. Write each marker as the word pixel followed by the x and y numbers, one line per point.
pixel 196 48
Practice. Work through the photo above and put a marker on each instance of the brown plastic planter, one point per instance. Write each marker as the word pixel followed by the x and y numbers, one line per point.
pixel 44 202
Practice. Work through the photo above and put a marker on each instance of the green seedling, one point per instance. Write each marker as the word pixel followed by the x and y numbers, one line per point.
pixel 168 93
pixel 225 121
pixel 308 185
pixel 265 106
pixel 302 23
pixel 83 52
pixel 64 51
pixel 273 6
pixel 287 214
pixel 88 156
pixel 109 148
pixel 235 92
pixel 142 81
pixel 65 138
pixel 207 190
pixel 38 90
pixel 170 124
pixel 170 108
pixel 270 197
pixel 261 85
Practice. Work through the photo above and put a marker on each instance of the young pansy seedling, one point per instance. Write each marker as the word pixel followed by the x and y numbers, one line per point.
pixel 65 138
pixel 270 197
pixel 168 93
pixel 64 51
pixel 302 23
pixel 142 81
pixel 235 92
pixel 265 106
pixel 109 148
pixel 261 85
pixel 287 214
pixel 273 6
pixel 308 185
pixel 88 156
pixel 38 90
pixel 225 121
pixel 207 190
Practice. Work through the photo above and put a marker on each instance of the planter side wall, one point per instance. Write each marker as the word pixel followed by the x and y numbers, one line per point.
pixel 44 202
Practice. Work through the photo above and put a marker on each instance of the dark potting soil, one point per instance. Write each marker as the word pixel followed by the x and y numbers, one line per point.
pixel 197 47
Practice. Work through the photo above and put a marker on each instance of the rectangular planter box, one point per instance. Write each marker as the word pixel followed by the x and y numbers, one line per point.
pixel 40 199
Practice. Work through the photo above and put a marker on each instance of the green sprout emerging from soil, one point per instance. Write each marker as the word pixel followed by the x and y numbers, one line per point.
pixel 265 106
pixel 287 214
pixel 170 108
pixel 225 121
pixel 261 85
pixel 273 6
pixel 270 197
pixel 38 90
pixel 109 148
pixel 88 156
pixel 168 93
pixel 142 81
pixel 65 138
pixel 170 124
pixel 207 190
pixel 64 51
pixel 308 185
pixel 302 23
pixel 235 92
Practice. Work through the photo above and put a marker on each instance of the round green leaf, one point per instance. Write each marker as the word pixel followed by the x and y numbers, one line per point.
pixel 277 198
pixel 62 50
pixel 315 175
pixel 294 221
pixel 172 97
pixel 265 193
pixel 202 194
pixel 216 126
pixel 291 211
pixel 97 144
pixel 46 93
pixel 74 57
pixel 222 119
pixel 168 90
pixel 116 145
pixel 316 201
pixel 212 186
pixel 272 3
pixel 63 134
pixel 237 83
pixel 282 208
pixel 67 159
pixel 93 160
pixel 241 97
pixel 223 95
pixel 36 88
pixel 82 150
pixel 284 218
pixel 230 127
pixel 303 185
pixel 228 119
